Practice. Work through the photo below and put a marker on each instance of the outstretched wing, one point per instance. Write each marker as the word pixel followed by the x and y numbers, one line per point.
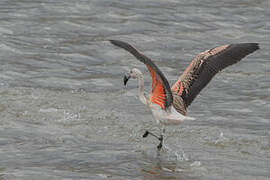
pixel 205 65
pixel 161 93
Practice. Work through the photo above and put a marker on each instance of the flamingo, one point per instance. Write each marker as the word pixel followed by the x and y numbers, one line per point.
pixel 169 104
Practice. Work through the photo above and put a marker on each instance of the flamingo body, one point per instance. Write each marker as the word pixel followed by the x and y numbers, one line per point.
pixel 168 118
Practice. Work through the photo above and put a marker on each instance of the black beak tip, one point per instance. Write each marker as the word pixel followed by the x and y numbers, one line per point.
pixel 126 78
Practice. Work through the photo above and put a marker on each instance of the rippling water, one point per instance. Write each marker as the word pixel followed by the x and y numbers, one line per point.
pixel 65 113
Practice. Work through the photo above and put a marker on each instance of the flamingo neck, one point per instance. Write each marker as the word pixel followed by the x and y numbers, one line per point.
pixel 141 90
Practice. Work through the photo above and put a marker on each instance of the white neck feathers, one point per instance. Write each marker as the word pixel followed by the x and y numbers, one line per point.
pixel 141 90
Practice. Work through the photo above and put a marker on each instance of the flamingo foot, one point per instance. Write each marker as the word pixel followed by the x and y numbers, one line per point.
pixel 145 134
pixel 160 143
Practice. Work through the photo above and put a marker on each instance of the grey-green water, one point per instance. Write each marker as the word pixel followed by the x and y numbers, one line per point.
pixel 64 111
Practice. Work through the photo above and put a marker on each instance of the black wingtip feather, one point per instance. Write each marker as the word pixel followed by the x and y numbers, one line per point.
pixel 119 43
pixel 254 46
pixel 251 47
pixel 113 41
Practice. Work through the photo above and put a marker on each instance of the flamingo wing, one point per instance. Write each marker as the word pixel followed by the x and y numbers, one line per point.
pixel 204 67
pixel 161 93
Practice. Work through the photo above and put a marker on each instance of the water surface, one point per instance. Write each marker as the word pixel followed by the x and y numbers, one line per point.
pixel 65 113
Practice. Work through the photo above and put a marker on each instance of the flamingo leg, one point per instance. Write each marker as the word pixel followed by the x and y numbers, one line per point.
pixel 161 138
pixel 152 134
pixel 161 142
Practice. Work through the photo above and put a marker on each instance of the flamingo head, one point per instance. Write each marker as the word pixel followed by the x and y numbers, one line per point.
pixel 134 73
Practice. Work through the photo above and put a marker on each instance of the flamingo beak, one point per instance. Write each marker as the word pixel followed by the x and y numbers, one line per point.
pixel 126 78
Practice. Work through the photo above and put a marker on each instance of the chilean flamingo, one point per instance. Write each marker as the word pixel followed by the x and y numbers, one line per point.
pixel 169 105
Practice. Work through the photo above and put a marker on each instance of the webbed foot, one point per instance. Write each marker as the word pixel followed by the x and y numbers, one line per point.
pixel 145 134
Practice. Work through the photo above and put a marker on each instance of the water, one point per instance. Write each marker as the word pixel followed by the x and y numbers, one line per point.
pixel 65 113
